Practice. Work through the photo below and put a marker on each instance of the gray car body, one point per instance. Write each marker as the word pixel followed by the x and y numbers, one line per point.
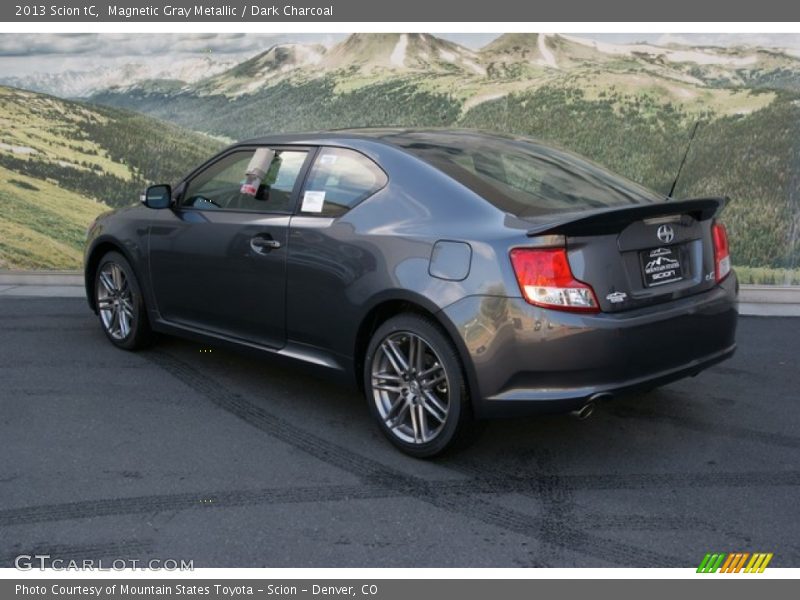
pixel 429 244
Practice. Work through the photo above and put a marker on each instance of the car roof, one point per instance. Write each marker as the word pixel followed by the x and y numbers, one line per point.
pixel 392 136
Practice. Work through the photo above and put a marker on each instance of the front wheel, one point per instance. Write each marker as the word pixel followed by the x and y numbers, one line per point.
pixel 415 386
pixel 120 304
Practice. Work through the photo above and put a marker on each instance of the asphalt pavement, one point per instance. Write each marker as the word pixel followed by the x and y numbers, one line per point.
pixel 192 452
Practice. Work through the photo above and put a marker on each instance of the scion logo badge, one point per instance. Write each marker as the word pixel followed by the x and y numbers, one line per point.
pixel 666 234
pixel 719 562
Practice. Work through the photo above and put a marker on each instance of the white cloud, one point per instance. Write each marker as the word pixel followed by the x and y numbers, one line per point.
pixel 23 54
pixel 764 40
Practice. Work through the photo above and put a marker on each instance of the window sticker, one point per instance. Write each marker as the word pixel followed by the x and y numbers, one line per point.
pixel 313 201
pixel 328 159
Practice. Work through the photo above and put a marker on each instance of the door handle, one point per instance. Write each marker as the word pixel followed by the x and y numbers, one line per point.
pixel 263 244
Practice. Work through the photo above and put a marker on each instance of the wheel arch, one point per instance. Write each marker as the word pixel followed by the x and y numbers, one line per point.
pixel 100 248
pixel 407 302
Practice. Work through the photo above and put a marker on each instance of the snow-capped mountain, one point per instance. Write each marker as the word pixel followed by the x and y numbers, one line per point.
pixel 511 60
pixel 82 84
pixel 359 55
pixel 563 51
pixel 628 106
pixel 528 57
pixel 402 52
pixel 264 68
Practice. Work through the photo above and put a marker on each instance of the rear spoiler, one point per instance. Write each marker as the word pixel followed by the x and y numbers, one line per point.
pixel 615 219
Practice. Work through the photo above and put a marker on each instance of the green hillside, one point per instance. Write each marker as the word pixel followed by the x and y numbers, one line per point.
pixel 747 146
pixel 62 163
pixel 296 106
pixel 753 158
pixel 38 234
pixel 629 107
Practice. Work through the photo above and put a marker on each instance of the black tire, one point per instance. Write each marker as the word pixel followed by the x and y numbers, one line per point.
pixel 138 333
pixel 458 427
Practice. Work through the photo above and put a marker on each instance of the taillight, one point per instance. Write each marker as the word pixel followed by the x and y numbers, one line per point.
pixel 722 253
pixel 545 279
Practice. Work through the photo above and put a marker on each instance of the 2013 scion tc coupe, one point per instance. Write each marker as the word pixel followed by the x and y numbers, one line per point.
pixel 453 275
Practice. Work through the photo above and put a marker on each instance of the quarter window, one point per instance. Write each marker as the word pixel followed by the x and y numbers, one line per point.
pixel 220 185
pixel 339 180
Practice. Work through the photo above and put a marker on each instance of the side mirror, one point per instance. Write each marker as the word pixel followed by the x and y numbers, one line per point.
pixel 157 196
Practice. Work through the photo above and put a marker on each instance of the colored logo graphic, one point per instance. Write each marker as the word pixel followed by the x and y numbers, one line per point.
pixel 735 562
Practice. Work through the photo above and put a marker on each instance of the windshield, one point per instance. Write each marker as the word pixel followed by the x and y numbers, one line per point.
pixel 524 177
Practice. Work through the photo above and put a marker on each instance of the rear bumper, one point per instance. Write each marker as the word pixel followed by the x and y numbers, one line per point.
pixel 526 360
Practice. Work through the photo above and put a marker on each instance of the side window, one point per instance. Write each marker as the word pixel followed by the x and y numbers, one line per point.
pixel 339 180
pixel 223 184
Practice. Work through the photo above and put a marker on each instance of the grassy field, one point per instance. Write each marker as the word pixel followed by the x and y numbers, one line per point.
pixel 631 112
pixel 767 276
pixel 622 114
pixel 36 125
pixel 62 163
pixel 42 225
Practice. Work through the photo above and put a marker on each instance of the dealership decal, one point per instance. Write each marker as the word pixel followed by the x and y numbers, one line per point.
pixel 662 266
pixel 734 562
pixel 616 297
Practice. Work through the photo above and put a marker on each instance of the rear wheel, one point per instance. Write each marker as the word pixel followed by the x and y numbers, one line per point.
pixel 415 386
pixel 120 305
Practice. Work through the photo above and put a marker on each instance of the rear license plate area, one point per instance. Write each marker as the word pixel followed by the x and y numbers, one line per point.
pixel 661 266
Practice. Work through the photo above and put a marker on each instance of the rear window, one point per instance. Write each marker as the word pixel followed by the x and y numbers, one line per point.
pixel 523 177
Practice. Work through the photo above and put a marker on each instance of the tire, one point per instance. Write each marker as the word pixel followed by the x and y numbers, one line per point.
pixel 120 304
pixel 422 406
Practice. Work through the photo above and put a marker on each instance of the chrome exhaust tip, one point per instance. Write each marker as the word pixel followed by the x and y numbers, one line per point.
pixel 584 412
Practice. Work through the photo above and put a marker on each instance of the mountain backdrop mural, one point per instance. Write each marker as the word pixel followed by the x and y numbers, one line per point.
pixel 630 107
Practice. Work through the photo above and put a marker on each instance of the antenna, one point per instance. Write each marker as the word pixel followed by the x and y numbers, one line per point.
pixel 685 154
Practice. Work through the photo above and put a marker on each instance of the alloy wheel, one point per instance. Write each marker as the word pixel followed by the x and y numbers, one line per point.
pixel 410 388
pixel 115 301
